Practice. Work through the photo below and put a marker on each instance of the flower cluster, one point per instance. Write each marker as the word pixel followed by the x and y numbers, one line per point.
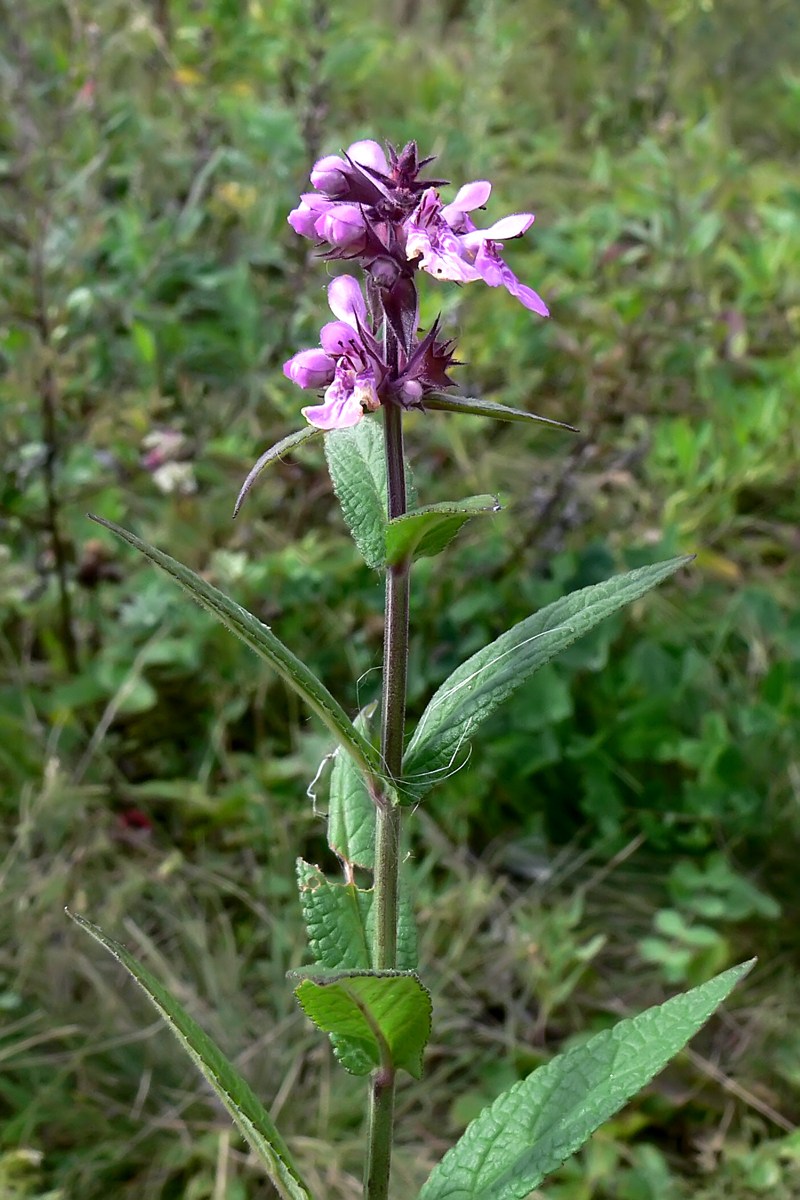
pixel 379 212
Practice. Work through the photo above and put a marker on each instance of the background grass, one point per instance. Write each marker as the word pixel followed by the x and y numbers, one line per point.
pixel 629 823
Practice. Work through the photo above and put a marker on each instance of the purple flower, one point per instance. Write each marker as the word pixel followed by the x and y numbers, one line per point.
pixel 303 218
pixel 347 364
pixel 444 241
pixel 330 174
pixel 343 225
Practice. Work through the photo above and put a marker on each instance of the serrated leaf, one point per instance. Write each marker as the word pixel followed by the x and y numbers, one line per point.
pixel 481 683
pixel 335 920
pixel 385 1014
pixel 245 1108
pixel 351 809
pixel 426 531
pixel 262 640
pixel 339 919
pixel 357 465
pixel 277 451
pixel 487 408
pixel 531 1129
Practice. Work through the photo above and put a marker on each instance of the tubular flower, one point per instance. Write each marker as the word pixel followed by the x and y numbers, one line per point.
pixel 347 364
pixel 444 241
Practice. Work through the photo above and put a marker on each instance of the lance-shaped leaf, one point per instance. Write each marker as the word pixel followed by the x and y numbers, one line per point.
pixel 476 688
pixel 357 465
pixel 277 451
pixel 351 809
pixel 386 1014
pixel 244 1107
pixel 487 408
pixel 259 637
pixel 426 531
pixel 531 1129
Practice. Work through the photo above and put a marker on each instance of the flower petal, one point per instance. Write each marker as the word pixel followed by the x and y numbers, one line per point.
pixel 339 337
pixel 470 196
pixel 346 301
pixel 496 273
pixel 303 218
pixel 369 154
pixel 327 174
pixel 342 407
pixel 310 369
pixel 342 225
pixel 339 413
pixel 509 227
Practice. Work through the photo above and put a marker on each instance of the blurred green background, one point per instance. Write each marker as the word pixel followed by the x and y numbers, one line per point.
pixel 629 823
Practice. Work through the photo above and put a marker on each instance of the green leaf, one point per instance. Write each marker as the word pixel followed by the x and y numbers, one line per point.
pixel 259 637
pixel 351 809
pixel 357 465
pixel 476 688
pixel 277 451
pixel 335 920
pixel 487 408
pixel 426 531
pixel 145 342
pixel 339 918
pixel 531 1129
pixel 385 1014
pixel 245 1108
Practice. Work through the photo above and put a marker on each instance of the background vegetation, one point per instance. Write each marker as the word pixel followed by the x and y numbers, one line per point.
pixel 630 823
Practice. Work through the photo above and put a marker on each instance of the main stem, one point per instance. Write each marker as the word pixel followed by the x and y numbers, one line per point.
pixel 387 834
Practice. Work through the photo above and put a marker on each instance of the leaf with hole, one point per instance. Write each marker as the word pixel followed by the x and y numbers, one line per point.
pixel 479 685
pixel 247 1111
pixel 531 1129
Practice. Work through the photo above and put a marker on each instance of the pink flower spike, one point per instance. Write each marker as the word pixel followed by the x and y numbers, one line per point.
pixel 347 302
pixel 469 197
pixel 310 369
pixel 368 154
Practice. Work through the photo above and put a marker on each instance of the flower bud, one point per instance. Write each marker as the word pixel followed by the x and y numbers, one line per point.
pixel 342 225
pixel 410 393
pixel 328 176
pixel 303 218
pixel 384 271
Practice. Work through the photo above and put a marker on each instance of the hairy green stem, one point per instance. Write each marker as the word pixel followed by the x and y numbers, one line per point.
pixel 387 834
